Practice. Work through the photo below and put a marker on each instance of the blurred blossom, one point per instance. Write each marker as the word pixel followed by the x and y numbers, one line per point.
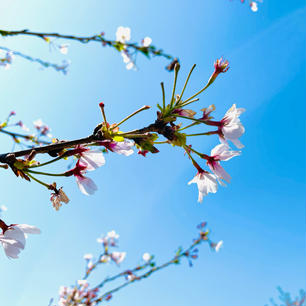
pixel 254 6
pixel 146 42
pixel 216 246
pixel 123 34
pixel 146 257
pixel 127 59
pixel 88 256
pixel 63 48
pixel 7 60
pixel 82 283
pixel 118 257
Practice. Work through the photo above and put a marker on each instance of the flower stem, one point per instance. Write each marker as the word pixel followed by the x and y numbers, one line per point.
pixel 176 70
pixel 131 115
pixel 46 173
pixel 188 77
pixel 206 134
pixel 37 180
pixel 48 162
pixel 163 92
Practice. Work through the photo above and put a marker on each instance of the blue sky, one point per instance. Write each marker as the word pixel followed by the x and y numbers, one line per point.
pixel 260 215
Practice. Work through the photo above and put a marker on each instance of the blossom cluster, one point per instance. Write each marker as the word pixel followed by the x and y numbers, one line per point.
pixel 82 293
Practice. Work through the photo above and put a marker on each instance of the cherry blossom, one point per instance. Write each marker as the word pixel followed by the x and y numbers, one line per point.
pixel 127 59
pixel 147 41
pixel 92 158
pixel 63 48
pixel 122 147
pixel 14 236
pixel 221 152
pixel 146 257
pixel 231 128
pixel 86 185
pixel 207 183
pixel 254 6
pixel 118 257
pixel 123 34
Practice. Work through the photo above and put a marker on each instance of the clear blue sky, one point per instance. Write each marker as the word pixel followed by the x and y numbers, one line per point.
pixel 260 215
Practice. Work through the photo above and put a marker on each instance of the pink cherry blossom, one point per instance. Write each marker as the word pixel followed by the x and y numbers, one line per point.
pixel 231 128
pixel 92 158
pixel 86 185
pixel 118 257
pixel 207 183
pixel 207 111
pixel 122 147
pixel 221 152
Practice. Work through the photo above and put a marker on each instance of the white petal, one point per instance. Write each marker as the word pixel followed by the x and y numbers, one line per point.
pixel 29 229
pixel 93 159
pixel 17 234
pixel 86 185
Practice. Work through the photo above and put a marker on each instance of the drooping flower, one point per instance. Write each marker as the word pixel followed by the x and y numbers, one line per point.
pixel 92 158
pixel 86 185
pixel 13 238
pixel 231 128
pixel 122 147
pixel 146 42
pixel 123 34
pixel 221 152
pixel 207 183
pixel 58 197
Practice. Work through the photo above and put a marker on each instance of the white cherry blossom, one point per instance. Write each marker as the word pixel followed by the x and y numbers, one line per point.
pixel 207 183
pixel 221 152
pixel 123 34
pixel 231 128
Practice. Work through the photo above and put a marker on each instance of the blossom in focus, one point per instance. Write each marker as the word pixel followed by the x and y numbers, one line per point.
pixel 207 183
pixel 86 185
pixel 221 152
pixel 221 66
pixel 123 34
pixel 58 197
pixel 118 257
pixel 231 128
pixel 146 42
pixel 13 238
pixel 92 158
pixel 123 147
